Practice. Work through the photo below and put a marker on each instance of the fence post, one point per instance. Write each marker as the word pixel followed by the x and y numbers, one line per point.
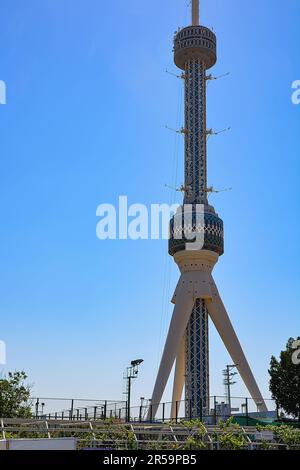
pixel 86 413
pixel 176 412
pixel 140 413
pixel 201 409
pixel 37 407
pixel 163 412
pixel 151 413
pixel 95 413
pixel 215 409
pixel 72 409
pixel 105 409
pixel 247 412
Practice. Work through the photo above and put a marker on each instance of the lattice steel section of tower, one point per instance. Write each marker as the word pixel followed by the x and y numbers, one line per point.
pixel 195 133
pixel 197 365
pixel 197 355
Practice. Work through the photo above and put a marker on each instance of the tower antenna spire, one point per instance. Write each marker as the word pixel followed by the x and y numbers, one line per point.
pixel 195 13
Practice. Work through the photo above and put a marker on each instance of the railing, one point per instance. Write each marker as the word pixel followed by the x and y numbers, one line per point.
pixel 111 435
pixel 77 409
pixel 217 408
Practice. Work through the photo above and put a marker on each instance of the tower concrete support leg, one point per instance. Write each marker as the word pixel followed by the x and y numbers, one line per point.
pixel 182 312
pixel 226 331
pixel 179 378
pixel 196 289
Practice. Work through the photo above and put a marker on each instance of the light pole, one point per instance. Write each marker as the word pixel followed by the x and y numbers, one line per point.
pixel 228 375
pixel 130 373
pixel 37 407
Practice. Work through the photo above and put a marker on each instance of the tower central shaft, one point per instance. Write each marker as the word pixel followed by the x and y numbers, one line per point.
pixel 195 133
pixel 195 172
pixel 195 52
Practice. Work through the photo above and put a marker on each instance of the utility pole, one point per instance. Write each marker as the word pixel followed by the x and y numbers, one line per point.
pixel 130 373
pixel 228 376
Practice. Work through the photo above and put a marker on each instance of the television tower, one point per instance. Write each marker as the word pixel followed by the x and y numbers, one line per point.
pixel 196 242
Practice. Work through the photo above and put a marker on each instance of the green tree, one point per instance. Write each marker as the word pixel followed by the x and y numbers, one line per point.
pixel 285 381
pixel 232 436
pixel 14 396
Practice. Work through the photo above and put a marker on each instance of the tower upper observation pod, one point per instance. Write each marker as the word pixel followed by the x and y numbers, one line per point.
pixel 195 42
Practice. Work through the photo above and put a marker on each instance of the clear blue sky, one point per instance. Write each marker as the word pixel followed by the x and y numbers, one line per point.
pixel 87 102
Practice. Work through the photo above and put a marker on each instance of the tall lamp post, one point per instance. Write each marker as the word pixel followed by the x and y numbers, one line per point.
pixel 228 376
pixel 130 373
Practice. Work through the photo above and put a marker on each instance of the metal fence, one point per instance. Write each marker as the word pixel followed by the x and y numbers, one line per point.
pixel 77 409
pixel 218 409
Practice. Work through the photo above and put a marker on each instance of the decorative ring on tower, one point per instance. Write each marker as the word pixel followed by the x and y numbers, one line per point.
pixel 195 42
pixel 188 227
